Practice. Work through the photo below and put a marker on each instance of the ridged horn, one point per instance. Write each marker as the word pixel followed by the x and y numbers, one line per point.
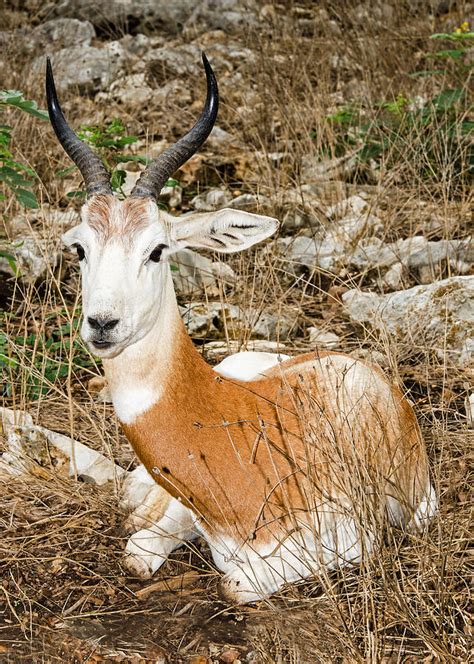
pixel 96 176
pixel 160 169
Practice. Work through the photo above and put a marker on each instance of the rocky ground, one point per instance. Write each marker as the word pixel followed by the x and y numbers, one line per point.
pixel 347 122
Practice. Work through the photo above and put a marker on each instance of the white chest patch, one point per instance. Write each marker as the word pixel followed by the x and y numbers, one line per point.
pixel 131 402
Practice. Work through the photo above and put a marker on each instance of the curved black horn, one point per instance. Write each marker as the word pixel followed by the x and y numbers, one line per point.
pixel 154 177
pixel 96 177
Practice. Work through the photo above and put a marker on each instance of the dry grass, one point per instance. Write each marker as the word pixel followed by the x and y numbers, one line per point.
pixel 65 596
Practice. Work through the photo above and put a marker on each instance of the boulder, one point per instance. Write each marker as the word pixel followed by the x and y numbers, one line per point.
pixel 33 258
pixel 323 338
pixel 213 199
pixel 437 317
pixel 211 320
pixel 172 17
pixel 416 255
pixel 89 68
pixel 57 34
pixel 193 272
pixel 214 320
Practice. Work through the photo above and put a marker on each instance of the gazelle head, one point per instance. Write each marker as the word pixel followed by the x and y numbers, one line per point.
pixel 123 245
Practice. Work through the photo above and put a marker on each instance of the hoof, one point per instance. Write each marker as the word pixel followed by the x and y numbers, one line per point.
pixel 136 566
pixel 235 588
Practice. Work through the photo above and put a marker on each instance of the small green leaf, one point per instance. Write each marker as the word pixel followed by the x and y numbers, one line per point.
pixel 26 198
pixel 16 99
pixel 117 179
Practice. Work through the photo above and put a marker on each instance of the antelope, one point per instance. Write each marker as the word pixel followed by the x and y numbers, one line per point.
pixel 284 465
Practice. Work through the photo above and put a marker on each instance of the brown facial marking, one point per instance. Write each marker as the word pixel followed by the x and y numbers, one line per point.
pixel 110 217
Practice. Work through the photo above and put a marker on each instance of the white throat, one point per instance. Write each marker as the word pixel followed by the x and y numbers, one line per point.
pixel 136 378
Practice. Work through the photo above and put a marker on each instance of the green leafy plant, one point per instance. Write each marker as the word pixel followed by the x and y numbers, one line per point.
pixel 110 141
pixel 39 360
pixel 17 176
pixel 430 133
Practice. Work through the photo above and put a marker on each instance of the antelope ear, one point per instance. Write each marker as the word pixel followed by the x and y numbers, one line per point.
pixel 226 230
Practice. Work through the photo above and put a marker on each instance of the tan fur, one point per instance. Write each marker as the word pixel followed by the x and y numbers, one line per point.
pixel 253 458
pixel 122 219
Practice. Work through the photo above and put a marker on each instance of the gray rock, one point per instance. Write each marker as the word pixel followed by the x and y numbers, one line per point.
pixel 313 170
pixel 34 258
pixel 211 320
pixel 214 199
pixel 214 320
pixel 159 13
pixel 438 317
pixel 323 338
pixel 354 205
pixel 89 68
pixel 246 202
pixel 331 248
pixel 417 254
pixel 266 325
pixel 172 17
pixel 169 62
pixel 223 273
pixel 131 89
pixel 193 272
pixel 57 34
pixel 43 220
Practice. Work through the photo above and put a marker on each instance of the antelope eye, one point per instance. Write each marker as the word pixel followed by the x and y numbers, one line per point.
pixel 156 253
pixel 80 251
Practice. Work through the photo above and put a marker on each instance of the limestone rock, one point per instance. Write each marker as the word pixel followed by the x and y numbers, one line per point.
pixel 89 68
pixel 322 338
pixel 214 199
pixel 34 258
pixel 193 272
pixel 438 316
pixel 57 34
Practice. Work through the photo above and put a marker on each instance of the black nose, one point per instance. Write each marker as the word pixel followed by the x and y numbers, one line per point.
pixel 102 324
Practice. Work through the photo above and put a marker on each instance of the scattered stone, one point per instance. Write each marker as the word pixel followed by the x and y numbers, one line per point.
pixel 57 34
pixel 213 320
pixel 316 171
pixel 157 13
pixel 173 195
pixel 266 325
pixel 33 258
pixel 223 273
pixel 437 317
pixel 89 68
pixel 246 202
pixel 372 356
pixel 44 220
pixel 131 89
pixel 214 199
pixel 194 273
pixel 395 277
pixel 321 338
pixel 35 449
pixel 415 255
pixel 354 205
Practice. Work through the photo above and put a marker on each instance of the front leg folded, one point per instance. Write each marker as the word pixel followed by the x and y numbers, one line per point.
pixel 148 548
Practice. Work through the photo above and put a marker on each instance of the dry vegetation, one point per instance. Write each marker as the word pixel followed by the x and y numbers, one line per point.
pixel 64 595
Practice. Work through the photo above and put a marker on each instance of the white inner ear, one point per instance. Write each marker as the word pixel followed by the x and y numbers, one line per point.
pixel 226 230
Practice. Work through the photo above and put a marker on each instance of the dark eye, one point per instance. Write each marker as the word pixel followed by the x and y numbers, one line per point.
pixel 80 251
pixel 156 253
